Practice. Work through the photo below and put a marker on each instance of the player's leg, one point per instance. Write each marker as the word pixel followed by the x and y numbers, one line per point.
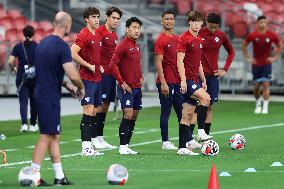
pixel 33 125
pixel 166 106
pixel 23 100
pixel 266 74
pixel 256 72
pixel 204 100
pixel 187 112
pixel 87 121
pixel 108 85
pixel 127 108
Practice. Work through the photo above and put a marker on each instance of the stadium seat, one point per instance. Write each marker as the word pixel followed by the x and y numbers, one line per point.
pixel 183 6
pixel 33 24
pixel 12 35
pixel 45 25
pixel 3 13
pixel 14 13
pixel 20 23
pixel 6 24
pixel 240 29
pixel 278 7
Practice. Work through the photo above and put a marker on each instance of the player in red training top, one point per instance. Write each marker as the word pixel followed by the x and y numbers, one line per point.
pixel 126 68
pixel 168 82
pixel 86 52
pixel 109 42
pixel 262 40
pixel 213 38
pixel 189 67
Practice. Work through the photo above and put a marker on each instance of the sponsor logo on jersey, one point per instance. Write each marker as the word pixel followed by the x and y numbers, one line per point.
pixel 267 40
pixel 127 102
pixel 87 99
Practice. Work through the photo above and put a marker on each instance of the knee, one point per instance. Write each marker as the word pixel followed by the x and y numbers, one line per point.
pixel 128 114
pixel 205 100
pixel 88 110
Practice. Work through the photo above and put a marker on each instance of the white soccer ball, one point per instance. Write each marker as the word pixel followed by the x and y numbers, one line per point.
pixel 210 148
pixel 237 142
pixel 117 174
pixel 29 177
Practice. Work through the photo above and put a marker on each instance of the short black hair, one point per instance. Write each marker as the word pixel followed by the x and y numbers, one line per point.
pixel 167 12
pixel 111 10
pixel 28 31
pixel 261 17
pixel 90 11
pixel 194 15
pixel 133 19
pixel 213 18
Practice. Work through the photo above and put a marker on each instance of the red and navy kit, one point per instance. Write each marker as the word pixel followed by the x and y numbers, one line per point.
pixel 192 47
pixel 90 49
pixel 166 45
pixel 109 42
pixel 126 67
pixel 211 44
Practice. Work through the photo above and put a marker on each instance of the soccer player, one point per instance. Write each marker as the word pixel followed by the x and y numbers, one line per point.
pixel 189 51
pixel 125 66
pixel 262 40
pixel 109 42
pixel 52 59
pixel 86 52
pixel 168 82
pixel 25 52
pixel 213 39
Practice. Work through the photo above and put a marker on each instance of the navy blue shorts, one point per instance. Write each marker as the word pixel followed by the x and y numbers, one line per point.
pixel 49 116
pixel 212 88
pixel 191 88
pixel 108 88
pixel 130 100
pixel 93 93
pixel 262 73
pixel 174 97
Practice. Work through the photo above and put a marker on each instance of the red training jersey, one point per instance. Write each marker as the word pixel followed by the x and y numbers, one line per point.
pixel 192 47
pixel 109 42
pixel 166 45
pixel 90 49
pixel 262 43
pixel 211 44
pixel 125 64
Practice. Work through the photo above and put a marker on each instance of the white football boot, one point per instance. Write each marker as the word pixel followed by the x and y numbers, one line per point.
pixel 167 145
pixel 132 152
pixel 97 144
pixel 33 128
pixel 191 145
pixel 89 150
pixel 104 143
pixel 257 109
pixel 24 128
pixel 203 136
pixel 123 150
pixel 185 151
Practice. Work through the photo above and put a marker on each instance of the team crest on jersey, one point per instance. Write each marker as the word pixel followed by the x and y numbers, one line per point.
pixel 267 40
pixel 201 46
pixel 169 45
pixel 217 39
pixel 193 86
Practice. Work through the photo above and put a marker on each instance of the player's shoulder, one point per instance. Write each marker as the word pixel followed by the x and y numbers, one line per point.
pixel 83 32
pixel 160 38
pixel 271 33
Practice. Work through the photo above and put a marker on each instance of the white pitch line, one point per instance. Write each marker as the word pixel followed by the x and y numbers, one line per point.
pixel 159 140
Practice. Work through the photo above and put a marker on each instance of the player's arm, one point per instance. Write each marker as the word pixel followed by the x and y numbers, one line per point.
pixel 246 55
pixel 75 49
pixel 164 85
pixel 74 76
pixel 202 76
pixel 278 50
pixel 181 71
pixel 11 60
pixel 115 60
pixel 231 54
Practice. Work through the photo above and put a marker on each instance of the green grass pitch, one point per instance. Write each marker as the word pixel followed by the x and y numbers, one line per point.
pixel 156 168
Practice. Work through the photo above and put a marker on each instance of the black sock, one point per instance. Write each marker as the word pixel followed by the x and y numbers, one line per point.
pixel 182 135
pixel 190 132
pixel 207 128
pixel 201 116
pixel 123 130
pixel 101 117
pixel 94 130
pixel 130 130
pixel 86 127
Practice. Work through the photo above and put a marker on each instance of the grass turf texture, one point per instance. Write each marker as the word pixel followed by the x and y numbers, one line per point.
pixel 156 168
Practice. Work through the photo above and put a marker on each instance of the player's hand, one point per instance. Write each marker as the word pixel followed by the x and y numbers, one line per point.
pixel 141 81
pixel 271 59
pixel 220 73
pixel 102 69
pixel 126 88
pixel 251 61
pixel 165 89
pixel 80 93
pixel 71 88
pixel 183 87
pixel 92 67
pixel 204 85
